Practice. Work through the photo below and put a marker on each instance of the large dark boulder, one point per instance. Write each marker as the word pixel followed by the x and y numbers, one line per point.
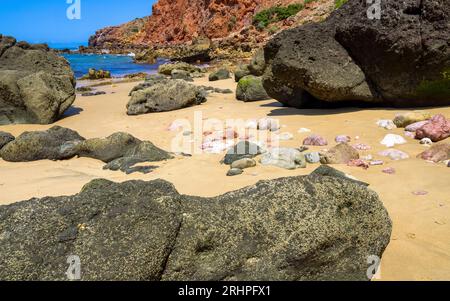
pixel 303 228
pixel 56 143
pixel 167 95
pixel 403 59
pixel 36 85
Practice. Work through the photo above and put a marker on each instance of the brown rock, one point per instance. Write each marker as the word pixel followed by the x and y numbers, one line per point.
pixel 437 153
pixel 340 154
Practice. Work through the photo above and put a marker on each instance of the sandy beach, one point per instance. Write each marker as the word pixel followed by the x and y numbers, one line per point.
pixel 420 246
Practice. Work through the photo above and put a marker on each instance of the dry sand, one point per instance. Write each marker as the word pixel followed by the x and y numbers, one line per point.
pixel 420 246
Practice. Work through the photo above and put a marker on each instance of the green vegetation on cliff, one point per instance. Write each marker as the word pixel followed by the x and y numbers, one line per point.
pixel 275 14
pixel 339 3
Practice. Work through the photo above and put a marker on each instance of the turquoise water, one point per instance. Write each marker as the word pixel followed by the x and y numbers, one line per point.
pixel 118 65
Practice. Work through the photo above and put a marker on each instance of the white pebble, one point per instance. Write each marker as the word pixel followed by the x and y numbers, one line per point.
pixel 391 140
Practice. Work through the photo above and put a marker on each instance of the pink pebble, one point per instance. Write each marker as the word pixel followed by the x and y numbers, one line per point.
pixel 389 171
pixel 420 192
pixel 362 147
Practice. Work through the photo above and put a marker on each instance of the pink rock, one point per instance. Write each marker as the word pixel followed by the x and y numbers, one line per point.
pixel 410 135
pixel 437 129
pixel 358 163
pixel 415 126
pixel 343 139
pixel 420 193
pixel 315 140
pixel 362 147
pixel 389 171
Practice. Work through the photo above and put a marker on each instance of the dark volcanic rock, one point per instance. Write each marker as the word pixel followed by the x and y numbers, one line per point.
pixel 117 233
pixel 303 228
pixel 36 85
pixel 108 149
pixel 5 138
pixel 165 96
pixel 56 143
pixel 242 150
pixel 402 59
pixel 122 152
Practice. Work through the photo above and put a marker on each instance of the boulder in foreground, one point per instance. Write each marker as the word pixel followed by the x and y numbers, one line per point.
pixel 303 228
pixel 36 85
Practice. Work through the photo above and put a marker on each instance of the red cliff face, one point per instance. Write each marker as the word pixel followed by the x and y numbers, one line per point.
pixel 181 21
pixel 175 21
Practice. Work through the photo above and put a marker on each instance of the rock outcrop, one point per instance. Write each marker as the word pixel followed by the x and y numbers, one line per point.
pixel 121 151
pixel 403 59
pixel 163 96
pixel 304 228
pixel 36 85
pixel 56 143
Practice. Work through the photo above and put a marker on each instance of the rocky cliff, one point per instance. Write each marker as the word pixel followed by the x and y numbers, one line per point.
pixel 175 22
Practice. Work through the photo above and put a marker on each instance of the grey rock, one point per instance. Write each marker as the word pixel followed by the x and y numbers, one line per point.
pixel 122 151
pixel 167 69
pixel 234 172
pixel 301 228
pixel 149 82
pixel 88 94
pixel 242 150
pixel 181 74
pixel 56 143
pixel 223 91
pixel 312 158
pixel 220 74
pixel 250 88
pixel 36 85
pixel 242 70
pixel 165 96
pixel 287 158
pixel 243 163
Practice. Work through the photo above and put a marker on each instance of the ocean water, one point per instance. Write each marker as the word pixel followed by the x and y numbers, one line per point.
pixel 118 65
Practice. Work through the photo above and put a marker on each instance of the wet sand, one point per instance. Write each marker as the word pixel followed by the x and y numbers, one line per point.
pixel 420 246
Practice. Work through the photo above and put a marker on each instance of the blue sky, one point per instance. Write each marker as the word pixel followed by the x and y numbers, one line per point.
pixel 39 21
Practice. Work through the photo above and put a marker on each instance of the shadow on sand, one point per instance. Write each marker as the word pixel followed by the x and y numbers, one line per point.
pixel 280 110
pixel 72 111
